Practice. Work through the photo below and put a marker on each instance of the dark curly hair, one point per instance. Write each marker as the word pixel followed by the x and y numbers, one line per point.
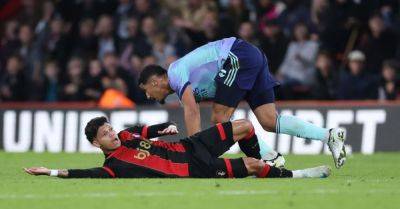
pixel 149 71
pixel 93 126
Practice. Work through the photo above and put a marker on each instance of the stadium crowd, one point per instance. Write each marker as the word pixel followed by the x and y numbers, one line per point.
pixel 73 50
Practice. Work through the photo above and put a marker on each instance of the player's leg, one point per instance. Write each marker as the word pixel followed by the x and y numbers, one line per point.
pixel 261 101
pixel 225 102
pixel 219 138
pixel 247 166
pixel 263 170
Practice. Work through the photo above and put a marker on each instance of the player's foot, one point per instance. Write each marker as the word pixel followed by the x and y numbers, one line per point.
pixel 275 159
pixel 316 172
pixel 337 136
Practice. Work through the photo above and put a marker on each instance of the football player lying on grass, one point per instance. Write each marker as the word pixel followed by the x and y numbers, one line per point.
pixel 130 154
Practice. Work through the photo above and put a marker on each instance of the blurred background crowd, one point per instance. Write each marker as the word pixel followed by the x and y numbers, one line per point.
pixel 73 50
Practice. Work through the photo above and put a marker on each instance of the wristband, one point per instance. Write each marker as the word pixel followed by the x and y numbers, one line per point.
pixel 53 172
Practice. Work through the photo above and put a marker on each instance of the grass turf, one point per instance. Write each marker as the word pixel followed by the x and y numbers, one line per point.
pixel 364 182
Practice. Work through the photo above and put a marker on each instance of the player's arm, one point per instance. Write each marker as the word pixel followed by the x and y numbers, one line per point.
pixel 148 132
pixel 100 172
pixel 191 111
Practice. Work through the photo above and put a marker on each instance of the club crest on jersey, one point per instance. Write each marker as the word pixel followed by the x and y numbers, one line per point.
pixel 222 73
pixel 221 173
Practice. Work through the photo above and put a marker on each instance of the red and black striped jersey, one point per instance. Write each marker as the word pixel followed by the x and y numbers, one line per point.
pixel 139 157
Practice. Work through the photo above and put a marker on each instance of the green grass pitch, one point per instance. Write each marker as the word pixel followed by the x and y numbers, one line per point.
pixel 364 182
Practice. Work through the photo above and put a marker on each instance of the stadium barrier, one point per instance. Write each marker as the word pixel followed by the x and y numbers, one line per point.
pixel 372 127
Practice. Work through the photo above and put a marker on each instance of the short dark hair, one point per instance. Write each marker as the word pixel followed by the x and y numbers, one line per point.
pixel 149 71
pixel 93 126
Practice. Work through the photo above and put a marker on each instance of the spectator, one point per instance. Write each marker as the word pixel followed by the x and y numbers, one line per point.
pixel 326 78
pixel 51 86
pixel 267 11
pixel 85 44
pixel 72 89
pixel 8 42
pixel 357 83
pixel 294 13
pixel 26 50
pixel 236 13
pixel 52 42
pixel 107 42
pixel 274 44
pixel 13 85
pixel 121 17
pixel 379 44
pixel 246 32
pixel 114 77
pixel 93 87
pixel 162 51
pixel 389 86
pixel 297 70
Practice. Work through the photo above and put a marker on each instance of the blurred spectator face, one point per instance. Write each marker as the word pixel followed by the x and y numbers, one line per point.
pixel 264 3
pixel 323 63
pixel 271 30
pixel 136 63
pixel 124 1
pixel 388 73
pixel 75 68
pixel 56 26
pixel 236 4
pixel 132 26
pixel 210 21
pixel 194 4
pixel 25 34
pixel 356 66
pixel 300 32
pixel 376 24
pixel 94 68
pixel 142 5
pixel 51 70
pixel 110 62
pixel 356 62
pixel 105 26
pixel 13 65
pixel 86 28
pixel 319 5
pixel 11 29
pixel 159 43
pixel 149 60
pixel 246 31
pixel 149 26
pixel 48 9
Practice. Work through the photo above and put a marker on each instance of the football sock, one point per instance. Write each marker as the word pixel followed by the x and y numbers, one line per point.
pixel 249 145
pixel 294 126
pixel 274 172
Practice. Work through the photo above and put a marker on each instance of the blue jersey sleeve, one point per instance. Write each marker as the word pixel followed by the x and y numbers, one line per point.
pixel 178 79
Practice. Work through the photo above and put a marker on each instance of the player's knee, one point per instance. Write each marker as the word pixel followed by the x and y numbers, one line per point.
pixel 253 166
pixel 269 125
pixel 219 117
pixel 247 126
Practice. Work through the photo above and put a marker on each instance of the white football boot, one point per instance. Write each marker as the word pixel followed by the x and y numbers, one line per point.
pixel 274 159
pixel 316 172
pixel 336 139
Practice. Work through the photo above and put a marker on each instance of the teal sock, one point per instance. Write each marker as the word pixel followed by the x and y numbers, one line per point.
pixel 265 149
pixel 294 126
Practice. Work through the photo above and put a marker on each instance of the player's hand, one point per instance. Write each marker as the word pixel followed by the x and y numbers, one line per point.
pixel 38 171
pixel 170 130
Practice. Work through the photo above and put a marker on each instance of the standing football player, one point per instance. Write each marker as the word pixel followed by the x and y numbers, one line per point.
pixel 228 71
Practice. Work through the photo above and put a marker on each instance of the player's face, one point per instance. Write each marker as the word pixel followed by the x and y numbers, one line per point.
pixel 106 138
pixel 154 90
